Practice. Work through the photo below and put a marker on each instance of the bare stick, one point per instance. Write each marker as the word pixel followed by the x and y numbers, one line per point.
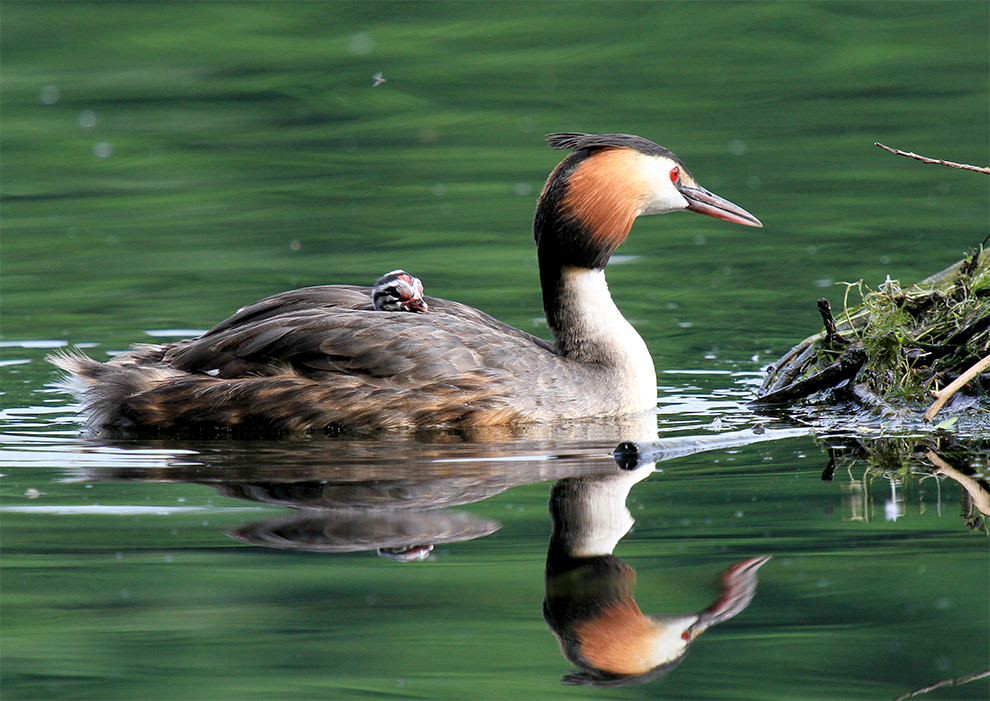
pixel 958 681
pixel 936 161
pixel 942 396
pixel 981 499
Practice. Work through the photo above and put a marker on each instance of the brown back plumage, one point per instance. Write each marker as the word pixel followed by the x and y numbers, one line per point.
pixel 320 357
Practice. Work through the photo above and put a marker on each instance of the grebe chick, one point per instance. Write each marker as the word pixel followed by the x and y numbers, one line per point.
pixel 322 357
pixel 398 291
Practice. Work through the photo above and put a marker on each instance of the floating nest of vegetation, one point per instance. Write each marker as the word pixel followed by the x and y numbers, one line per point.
pixel 898 348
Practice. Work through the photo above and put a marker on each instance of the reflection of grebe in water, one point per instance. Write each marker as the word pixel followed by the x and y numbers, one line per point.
pixel 589 601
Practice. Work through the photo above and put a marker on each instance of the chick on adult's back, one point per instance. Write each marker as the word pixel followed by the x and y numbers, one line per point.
pixel 322 357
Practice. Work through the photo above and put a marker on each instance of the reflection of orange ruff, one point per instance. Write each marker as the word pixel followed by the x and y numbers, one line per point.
pixel 622 640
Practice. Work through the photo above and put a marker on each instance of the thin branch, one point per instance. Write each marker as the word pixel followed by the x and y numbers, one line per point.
pixel 936 161
pixel 958 681
pixel 942 396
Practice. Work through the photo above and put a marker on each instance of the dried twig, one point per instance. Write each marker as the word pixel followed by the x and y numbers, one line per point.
pixel 844 368
pixel 980 497
pixel 958 681
pixel 936 161
pixel 942 396
pixel 832 337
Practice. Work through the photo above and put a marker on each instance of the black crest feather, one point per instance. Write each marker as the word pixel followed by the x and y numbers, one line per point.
pixel 576 141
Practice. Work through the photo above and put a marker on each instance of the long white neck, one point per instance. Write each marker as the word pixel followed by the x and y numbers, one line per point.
pixel 588 327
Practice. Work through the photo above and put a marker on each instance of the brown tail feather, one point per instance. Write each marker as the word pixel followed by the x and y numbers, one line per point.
pixel 104 389
pixel 122 395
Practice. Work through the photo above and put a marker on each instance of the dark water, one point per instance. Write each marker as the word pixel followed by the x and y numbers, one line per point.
pixel 166 164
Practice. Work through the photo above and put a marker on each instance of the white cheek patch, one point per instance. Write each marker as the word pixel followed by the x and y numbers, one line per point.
pixel 663 197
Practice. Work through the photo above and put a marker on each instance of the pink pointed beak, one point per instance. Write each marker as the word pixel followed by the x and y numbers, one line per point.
pixel 702 201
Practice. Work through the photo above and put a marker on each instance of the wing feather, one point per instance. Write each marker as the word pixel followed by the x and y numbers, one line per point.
pixel 333 329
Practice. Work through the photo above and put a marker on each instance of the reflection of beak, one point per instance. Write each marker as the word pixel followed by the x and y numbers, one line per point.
pixel 703 202
pixel 738 588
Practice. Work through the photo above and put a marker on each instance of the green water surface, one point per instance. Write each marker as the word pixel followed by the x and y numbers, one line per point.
pixel 166 163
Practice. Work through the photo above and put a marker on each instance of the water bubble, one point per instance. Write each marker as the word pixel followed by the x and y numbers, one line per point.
pixel 50 95
pixel 87 119
pixel 737 147
pixel 522 189
pixel 103 149
pixel 361 44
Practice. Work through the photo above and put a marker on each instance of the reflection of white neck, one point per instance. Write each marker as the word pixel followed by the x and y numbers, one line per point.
pixel 590 513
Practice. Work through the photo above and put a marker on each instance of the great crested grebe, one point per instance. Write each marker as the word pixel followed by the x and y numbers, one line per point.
pixel 322 357
pixel 398 291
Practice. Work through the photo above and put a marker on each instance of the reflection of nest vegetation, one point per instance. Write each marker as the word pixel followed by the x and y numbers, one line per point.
pixel 911 460
pixel 898 344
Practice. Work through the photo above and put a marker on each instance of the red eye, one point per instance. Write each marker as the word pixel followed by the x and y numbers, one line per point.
pixel 675 173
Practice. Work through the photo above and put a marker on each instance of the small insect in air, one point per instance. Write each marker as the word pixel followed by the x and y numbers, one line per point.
pixel 377 79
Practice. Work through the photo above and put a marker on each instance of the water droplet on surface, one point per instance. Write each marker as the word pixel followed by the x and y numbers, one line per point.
pixel 103 149
pixel 361 44
pixel 50 95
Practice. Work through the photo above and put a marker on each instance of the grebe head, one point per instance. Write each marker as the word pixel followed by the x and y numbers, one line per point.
pixel 592 198
pixel 398 291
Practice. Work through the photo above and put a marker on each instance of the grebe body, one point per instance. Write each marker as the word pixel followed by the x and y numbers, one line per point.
pixel 324 357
